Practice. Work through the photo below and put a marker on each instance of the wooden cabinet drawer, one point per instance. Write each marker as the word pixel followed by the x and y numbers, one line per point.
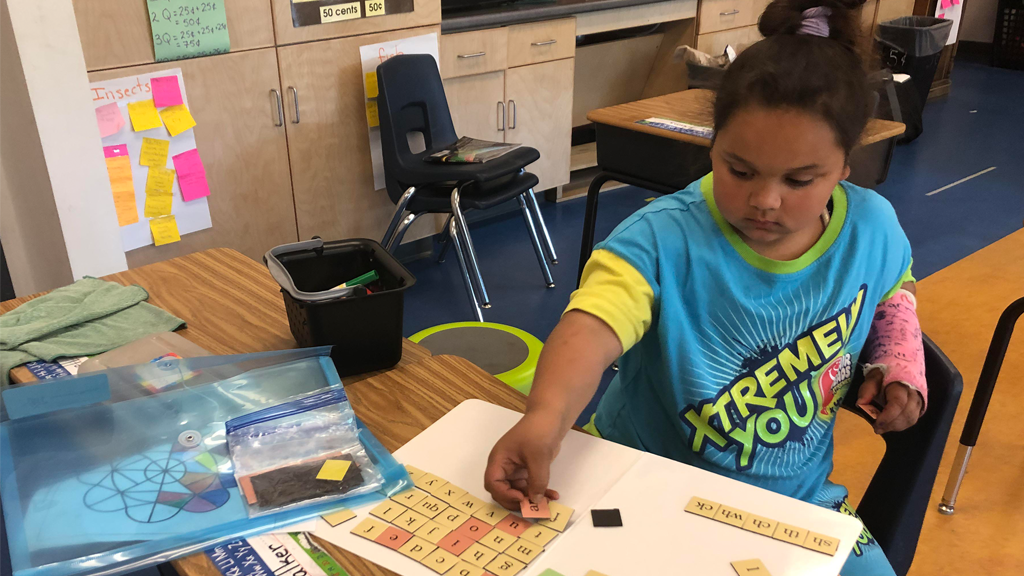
pixel 716 15
pixel 117 33
pixel 739 38
pixel 469 53
pixel 541 42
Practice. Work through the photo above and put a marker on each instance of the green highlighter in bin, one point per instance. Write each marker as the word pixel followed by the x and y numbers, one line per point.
pixel 360 280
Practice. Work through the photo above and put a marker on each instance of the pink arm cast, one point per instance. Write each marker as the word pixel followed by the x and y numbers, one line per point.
pixel 895 346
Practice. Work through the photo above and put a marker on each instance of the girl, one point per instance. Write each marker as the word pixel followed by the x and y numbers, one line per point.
pixel 739 305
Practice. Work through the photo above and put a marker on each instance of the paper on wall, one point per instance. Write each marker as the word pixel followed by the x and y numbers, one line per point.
pixel 190 216
pixel 950 10
pixel 372 55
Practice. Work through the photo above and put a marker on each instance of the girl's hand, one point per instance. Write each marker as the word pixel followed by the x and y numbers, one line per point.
pixel 520 463
pixel 902 403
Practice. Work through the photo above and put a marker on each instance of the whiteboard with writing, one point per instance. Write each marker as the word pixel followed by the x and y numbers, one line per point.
pixel 191 216
pixel 372 55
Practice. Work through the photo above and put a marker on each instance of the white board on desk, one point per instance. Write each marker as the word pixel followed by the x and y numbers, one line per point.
pixel 657 536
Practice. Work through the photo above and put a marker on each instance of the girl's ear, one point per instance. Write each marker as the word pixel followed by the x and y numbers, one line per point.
pixel 846 172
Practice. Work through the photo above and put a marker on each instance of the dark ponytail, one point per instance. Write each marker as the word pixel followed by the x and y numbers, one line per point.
pixel 823 76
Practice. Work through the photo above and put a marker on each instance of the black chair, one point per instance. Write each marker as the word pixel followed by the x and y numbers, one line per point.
pixel 411 100
pixel 896 500
pixel 979 404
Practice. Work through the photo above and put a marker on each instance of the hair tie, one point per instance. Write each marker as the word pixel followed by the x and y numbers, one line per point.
pixel 815 21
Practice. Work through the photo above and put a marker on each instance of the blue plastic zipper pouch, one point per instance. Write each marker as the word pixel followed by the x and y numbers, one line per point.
pixel 101 486
pixel 300 452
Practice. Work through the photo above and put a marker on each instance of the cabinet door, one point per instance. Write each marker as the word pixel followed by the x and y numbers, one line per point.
pixel 539 103
pixel 117 33
pixel 328 143
pixel 477 104
pixel 245 154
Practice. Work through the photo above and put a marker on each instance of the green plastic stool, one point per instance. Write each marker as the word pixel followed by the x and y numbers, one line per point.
pixel 507 353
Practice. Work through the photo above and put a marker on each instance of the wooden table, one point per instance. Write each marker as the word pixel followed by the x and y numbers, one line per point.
pixel 664 161
pixel 232 306
pixel 230 303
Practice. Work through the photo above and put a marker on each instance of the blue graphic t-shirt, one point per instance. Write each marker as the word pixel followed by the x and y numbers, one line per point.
pixel 747 359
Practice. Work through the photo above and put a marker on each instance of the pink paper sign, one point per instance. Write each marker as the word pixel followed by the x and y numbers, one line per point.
pixel 166 91
pixel 115 151
pixel 946 4
pixel 191 175
pixel 109 119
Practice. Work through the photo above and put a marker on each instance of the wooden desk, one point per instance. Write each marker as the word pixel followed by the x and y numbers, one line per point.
pixel 665 161
pixel 229 302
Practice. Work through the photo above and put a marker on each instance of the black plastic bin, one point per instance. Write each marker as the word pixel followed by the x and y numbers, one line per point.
pixel 913 45
pixel 365 329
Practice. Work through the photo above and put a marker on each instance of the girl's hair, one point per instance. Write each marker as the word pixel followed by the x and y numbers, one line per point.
pixel 823 76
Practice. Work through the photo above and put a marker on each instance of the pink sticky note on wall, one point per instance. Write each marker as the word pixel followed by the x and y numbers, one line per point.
pixel 109 119
pixel 191 175
pixel 166 91
pixel 946 4
pixel 115 151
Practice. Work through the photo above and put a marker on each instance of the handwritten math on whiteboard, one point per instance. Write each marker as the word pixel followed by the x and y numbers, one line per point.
pixel 188 28
pixel 313 12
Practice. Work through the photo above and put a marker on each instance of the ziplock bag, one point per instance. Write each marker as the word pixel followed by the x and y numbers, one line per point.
pixel 100 474
pixel 303 451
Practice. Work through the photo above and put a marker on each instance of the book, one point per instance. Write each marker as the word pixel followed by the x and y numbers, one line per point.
pixel 681 127
pixel 471 151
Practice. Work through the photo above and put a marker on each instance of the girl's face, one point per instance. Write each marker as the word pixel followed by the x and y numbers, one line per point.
pixel 774 172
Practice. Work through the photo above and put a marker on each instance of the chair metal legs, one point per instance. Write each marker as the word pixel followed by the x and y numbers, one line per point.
pixel 446 239
pixel 531 200
pixel 541 259
pixel 403 227
pixel 396 219
pixel 453 234
pixel 470 253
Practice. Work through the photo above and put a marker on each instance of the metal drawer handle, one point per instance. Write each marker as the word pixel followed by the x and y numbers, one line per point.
pixel 501 123
pixel 544 43
pixel 512 113
pixel 275 99
pixel 473 55
pixel 729 13
pixel 295 100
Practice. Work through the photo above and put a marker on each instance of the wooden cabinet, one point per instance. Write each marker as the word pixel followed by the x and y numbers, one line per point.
pixel 244 152
pixel 717 15
pixel 477 104
pixel 541 42
pixel 539 110
pixel 738 38
pixel 117 33
pixel 473 52
pixel 425 12
pixel 328 141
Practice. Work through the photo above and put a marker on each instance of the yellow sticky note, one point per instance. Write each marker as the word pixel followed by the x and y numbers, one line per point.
pixel 339 517
pixel 154 152
pixel 165 230
pixel 177 119
pixel 159 181
pixel 119 170
pixel 144 115
pixel 157 205
pixel 334 470
pixel 371 84
pixel 371 113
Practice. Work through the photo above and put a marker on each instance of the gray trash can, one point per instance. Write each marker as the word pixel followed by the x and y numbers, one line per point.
pixel 913 45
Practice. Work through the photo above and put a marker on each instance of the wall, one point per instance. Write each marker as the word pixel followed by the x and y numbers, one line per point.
pixel 29 224
pixel 52 72
pixel 979 21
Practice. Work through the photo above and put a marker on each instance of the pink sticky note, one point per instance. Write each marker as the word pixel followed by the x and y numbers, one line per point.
pixel 946 4
pixel 115 151
pixel 531 510
pixel 166 91
pixel 109 119
pixel 191 175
